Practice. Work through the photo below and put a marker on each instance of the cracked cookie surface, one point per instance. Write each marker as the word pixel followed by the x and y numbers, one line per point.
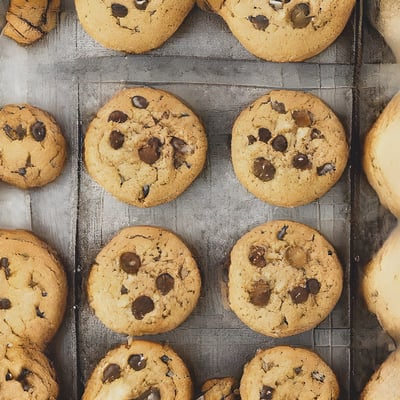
pixel 284 278
pixel 32 147
pixel 140 370
pixel 25 373
pixel 284 372
pixel 288 148
pixel 220 389
pixel 145 147
pixel 283 30
pixel 33 288
pixel 132 26
pixel 144 281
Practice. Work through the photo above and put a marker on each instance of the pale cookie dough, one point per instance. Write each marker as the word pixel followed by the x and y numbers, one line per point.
pixel 381 285
pixel 132 26
pixel 33 288
pixel 29 20
pixel 284 278
pixel 140 370
pixel 282 373
pixel 381 160
pixel 144 281
pixel 288 148
pixel 220 389
pixel 25 373
pixel 283 30
pixel 384 383
pixel 145 147
pixel 32 147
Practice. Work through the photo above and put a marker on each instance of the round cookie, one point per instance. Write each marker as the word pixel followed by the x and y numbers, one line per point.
pixel 384 383
pixel 33 288
pixel 25 373
pixel 140 370
pixel 285 372
pixel 288 148
pixel 283 30
pixel 32 147
pixel 132 26
pixel 284 278
pixel 144 281
pixel 381 160
pixel 220 389
pixel 145 147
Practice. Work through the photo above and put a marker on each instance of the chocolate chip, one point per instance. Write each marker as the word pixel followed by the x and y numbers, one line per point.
pixel 264 135
pixel 117 116
pixel 111 373
pixel 282 233
pixel 22 379
pixel 116 139
pixel 280 143
pixel 330 252
pixel 9 376
pixel 299 294
pixel 316 134
pixel 124 290
pixel 300 15
pixel 151 394
pixel 251 139
pixel 266 393
pixel 20 131
pixel 318 376
pixel 278 107
pixel 39 313
pixel 38 131
pixel 260 294
pixel 303 118
pixel 44 294
pixel 296 257
pixel 164 358
pixel 142 306
pixel 278 4
pixel 5 304
pixel 259 22
pixel 8 131
pixel 150 152
pixel 5 264
pixel 130 262
pixel 22 171
pixel 297 370
pixel 137 362
pixel 325 169
pixel 141 4
pixel 263 169
pixel 313 286
pixel 139 102
pixel 256 256
pixel 181 148
pixel 301 161
pixel 23 374
pixel 145 190
pixel 165 283
pixel 26 386
pixel 119 10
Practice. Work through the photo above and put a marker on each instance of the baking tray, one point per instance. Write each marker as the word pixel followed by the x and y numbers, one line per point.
pixel 71 76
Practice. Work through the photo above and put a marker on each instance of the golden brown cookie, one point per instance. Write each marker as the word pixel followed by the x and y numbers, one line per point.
pixel 220 389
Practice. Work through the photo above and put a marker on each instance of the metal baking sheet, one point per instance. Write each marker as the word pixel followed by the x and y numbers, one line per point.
pixel 71 76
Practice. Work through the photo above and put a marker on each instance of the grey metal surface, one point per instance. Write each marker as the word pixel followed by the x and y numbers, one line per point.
pixel 71 76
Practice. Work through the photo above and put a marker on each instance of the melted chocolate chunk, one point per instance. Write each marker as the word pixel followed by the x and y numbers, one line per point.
pixel 278 107
pixel 5 304
pixel 251 139
pixel 38 131
pixel 130 262
pixel 22 171
pixel 20 131
pixel 181 149
pixel 282 233
pixel 259 22
pixel 313 286
pixel 164 358
pixel 318 376
pixel 151 151
pixel 139 102
pixel 280 143
pixel 151 394
pixel 264 135
pixel 141 4
pixel 117 116
pixel 296 257
pixel 300 15
pixel 124 290
pixel 119 10
pixel 256 256
pixel 165 283
pixel 142 306
pixel 278 4
pixel 137 362
pixel 116 139
pixel 316 134
pixel 301 161
pixel 9 376
pixel 303 118
pixel 325 169
pixel 299 294
pixel 297 370
pixel 44 294
pixel 145 191
pixel 330 252
pixel 8 131
pixel 5 264
pixel 39 313
pixel 263 169
pixel 111 373
pixel 267 393
pixel 260 294
pixel 22 379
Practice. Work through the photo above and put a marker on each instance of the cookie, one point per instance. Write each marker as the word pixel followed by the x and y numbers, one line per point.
pixel 381 286
pixel 144 281
pixel 140 370
pixel 284 278
pixel 145 147
pixel 25 373
pixel 33 288
pixel 288 148
pixel 220 389
pixel 283 30
pixel 384 383
pixel 32 147
pixel 285 372
pixel 29 20
pixel 132 26
pixel 381 160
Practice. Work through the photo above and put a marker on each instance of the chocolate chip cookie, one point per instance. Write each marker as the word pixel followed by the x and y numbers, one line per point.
pixel 288 148
pixel 220 389
pixel 25 373
pixel 284 278
pixel 144 281
pixel 29 20
pixel 140 370
pixel 285 372
pixel 132 26
pixel 145 147
pixel 33 288
pixel 283 30
pixel 32 147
